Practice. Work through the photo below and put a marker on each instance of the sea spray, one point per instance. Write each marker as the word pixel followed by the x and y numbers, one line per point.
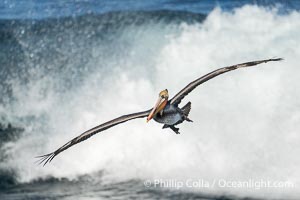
pixel 246 123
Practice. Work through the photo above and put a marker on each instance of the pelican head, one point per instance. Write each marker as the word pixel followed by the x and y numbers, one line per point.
pixel 160 104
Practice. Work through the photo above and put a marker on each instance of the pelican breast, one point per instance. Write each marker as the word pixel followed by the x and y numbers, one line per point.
pixel 171 115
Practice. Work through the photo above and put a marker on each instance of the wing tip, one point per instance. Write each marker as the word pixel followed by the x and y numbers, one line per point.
pixel 276 59
pixel 44 159
pixel 254 63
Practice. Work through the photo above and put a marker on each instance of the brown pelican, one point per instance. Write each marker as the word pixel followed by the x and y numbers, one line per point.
pixel 165 111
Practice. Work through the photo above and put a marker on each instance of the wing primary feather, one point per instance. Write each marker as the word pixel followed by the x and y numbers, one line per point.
pixel 47 158
pixel 191 86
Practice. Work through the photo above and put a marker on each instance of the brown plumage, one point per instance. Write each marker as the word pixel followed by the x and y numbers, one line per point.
pixel 169 114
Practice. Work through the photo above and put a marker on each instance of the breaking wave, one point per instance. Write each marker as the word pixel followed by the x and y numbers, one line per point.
pixel 64 76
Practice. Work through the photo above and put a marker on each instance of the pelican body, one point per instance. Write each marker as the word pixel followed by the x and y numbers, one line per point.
pixel 172 115
pixel 165 111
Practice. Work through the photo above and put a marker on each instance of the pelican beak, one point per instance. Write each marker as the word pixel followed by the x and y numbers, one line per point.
pixel 160 104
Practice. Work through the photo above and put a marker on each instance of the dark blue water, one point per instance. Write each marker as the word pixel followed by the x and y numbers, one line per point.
pixel 54 52
pixel 35 9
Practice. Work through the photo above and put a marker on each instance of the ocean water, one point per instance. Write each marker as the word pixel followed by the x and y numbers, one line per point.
pixel 67 67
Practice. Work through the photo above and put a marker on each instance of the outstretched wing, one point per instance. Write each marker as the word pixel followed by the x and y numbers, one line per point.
pixel 49 157
pixel 185 91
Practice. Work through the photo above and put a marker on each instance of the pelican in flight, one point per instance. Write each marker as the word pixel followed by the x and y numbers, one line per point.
pixel 165 111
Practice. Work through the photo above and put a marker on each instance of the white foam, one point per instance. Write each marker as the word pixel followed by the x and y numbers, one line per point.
pixel 246 123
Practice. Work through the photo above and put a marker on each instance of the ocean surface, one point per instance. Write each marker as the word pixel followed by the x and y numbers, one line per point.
pixel 67 66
